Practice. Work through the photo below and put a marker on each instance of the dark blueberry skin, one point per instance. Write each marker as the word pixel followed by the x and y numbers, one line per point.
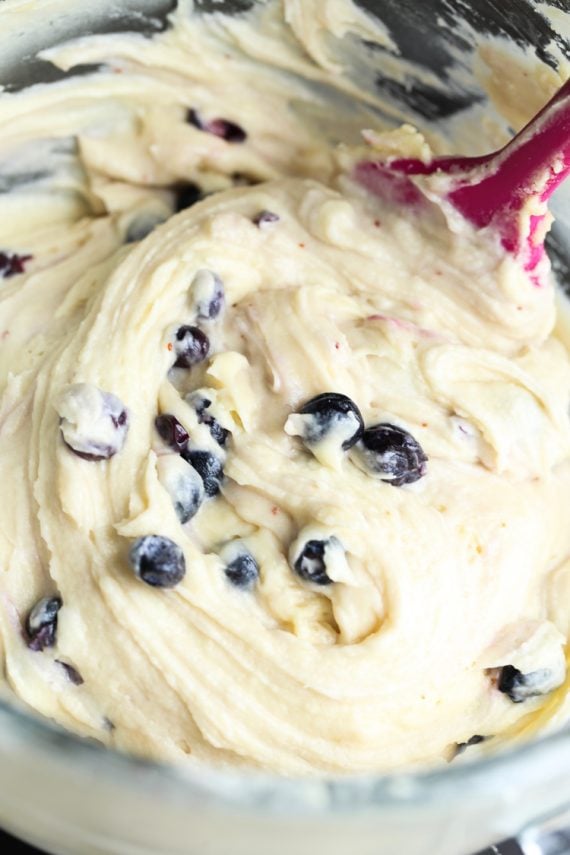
pixel 219 433
pixel 329 409
pixel 209 295
pixel 473 740
pixel 186 195
pixel 228 131
pixel 264 218
pixel 41 623
pixel 11 264
pixel 392 453
pixel 310 564
pixel 209 468
pixel 191 346
pixel 172 432
pixel 73 674
pixel 158 561
pixel 519 687
pixel 243 571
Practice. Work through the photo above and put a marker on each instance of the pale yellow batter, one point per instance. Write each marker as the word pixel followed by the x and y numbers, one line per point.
pixel 302 284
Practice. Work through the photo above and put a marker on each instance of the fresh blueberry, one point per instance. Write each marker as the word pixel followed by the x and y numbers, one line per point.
pixel 241 568
pixel 219 433
pixel 191 346
pixel 94 424
pixel 519 687
pixel 265 218
pixel 207 292
pixel 209 468
pixel 223 128
pixel 390 453
pixel 158 561
pixel 186 195
pixel 473 740
pixel 172 432
pixel 330 417
pixel 41 623
pixel 183 484
pixel 310 564
pixel 318 557
pixel 201 405
pixel 11 263
pixel 72 673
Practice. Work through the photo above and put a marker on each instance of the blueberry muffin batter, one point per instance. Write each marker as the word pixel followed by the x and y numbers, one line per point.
pixel 285 466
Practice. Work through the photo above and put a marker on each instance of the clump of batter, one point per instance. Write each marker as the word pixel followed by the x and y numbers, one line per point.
pixel 286 467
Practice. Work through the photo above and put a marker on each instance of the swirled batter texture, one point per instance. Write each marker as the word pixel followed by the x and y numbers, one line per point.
pixel 189 563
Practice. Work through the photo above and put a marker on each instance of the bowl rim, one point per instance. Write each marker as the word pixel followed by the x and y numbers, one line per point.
pixel 250 790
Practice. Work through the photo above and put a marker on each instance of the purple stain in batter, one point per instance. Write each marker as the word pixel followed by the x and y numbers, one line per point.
pixel 172 432
pixel 223 128
pixel 209 468
pixel 11 263
pixel 41 623
pixel 191 346
pixel 72 673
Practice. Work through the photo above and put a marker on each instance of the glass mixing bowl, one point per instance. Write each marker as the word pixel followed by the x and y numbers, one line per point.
pixel 69 795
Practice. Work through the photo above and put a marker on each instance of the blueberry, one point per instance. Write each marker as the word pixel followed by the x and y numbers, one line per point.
pixel 209 468
pixel 319 557
pixel 72 673
pixel 473 740
pixel 12 263
pixel 183 484
pixel 331 418
pixel 241 568
pixel 186 195
pixel 310 564
pixel 207 292
pixel 172 432
pixel 390 453
pixel 41 623
pixel 94 424
pixel 265 218
pixel 201 404
pixel 157 561
pixel 191 346
pixel 519 687
pixel 223 128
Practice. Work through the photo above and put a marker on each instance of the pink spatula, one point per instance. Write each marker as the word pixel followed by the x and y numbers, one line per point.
pixel 505 191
